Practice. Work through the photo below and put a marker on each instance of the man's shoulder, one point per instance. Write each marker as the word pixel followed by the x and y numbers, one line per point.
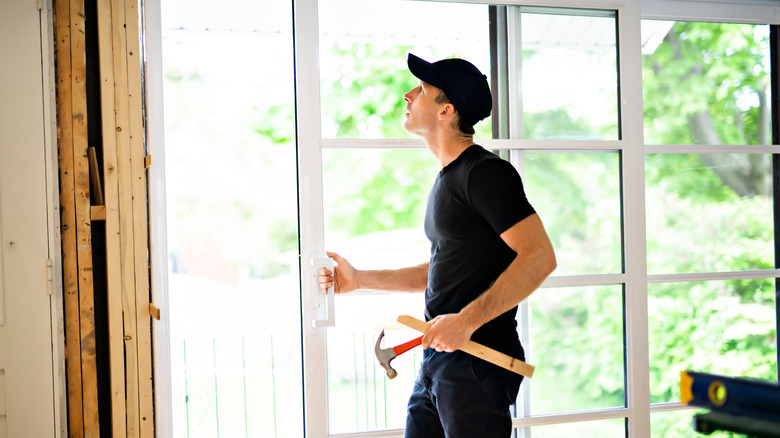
pixel 485 163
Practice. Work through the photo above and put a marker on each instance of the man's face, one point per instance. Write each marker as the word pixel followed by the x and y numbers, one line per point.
pixel 421 109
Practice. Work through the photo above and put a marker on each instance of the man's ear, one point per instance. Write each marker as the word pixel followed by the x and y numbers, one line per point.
pixel 447 111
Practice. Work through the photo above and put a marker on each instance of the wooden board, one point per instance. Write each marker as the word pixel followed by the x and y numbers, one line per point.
pixel 106 31
pixel 139 197
pixel 68 220
pixel 78 57
pixel 125 204
pixel 475 349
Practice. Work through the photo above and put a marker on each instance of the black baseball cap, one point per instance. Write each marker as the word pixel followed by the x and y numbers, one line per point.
pixel 462 82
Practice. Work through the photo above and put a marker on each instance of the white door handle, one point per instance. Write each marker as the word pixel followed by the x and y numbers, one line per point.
pixel 324 304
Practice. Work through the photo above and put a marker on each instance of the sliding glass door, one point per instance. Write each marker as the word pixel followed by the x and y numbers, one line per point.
pixel 234 286
pixel 284 139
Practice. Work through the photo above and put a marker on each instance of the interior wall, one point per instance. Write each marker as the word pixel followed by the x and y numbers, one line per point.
pixel 30 361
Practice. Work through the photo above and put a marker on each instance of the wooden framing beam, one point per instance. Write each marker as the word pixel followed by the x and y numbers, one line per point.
pixel 78 56
pixel 68 219
pixel 140 221
pixel 76 219
pixel 111 197
pixel 125 212
pixel 126 217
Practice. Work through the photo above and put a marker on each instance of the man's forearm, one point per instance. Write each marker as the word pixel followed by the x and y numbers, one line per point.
pixel 523 276
pixel 411 279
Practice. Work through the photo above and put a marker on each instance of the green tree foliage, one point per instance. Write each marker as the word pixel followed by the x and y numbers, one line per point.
pixel 707 83
pixel 363 95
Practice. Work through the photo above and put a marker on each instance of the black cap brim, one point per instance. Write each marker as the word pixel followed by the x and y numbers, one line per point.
pixel 423 70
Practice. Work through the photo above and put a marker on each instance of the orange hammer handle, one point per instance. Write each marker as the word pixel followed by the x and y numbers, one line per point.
pixel 406 346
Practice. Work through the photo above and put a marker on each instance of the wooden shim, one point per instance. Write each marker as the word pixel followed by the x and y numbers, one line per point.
pixel 126 229
pixel 98 213
pixel 78 57
pixel 154 311
pixel 68 221
pixel 94 177
pixel 111 192
pixel 140 222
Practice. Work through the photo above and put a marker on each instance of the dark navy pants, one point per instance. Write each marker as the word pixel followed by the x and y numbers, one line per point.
pixel 457 395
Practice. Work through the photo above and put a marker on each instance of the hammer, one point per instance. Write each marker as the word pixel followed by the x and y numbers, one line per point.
pixel 385 355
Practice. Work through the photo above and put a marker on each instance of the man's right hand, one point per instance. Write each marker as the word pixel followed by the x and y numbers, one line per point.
pixel 344 279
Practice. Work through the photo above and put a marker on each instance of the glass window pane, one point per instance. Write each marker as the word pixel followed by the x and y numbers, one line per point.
pixel 706 83
pixel 717 327
pixel 569 76
pixel 709 212
pixel 374 206
pixel 363 59
pixel 577 195
pixel 577 347
pixel 615 428
pixel 234 287
pixel 372 190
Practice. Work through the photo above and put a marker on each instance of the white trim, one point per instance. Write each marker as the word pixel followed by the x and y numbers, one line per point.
pixel 514 31
pixel 357 143
pixel 726 11
pixel 310 210
pixel 712 149
pixel 158 252
pixel 574 4
pixel 533 421
pixel 390 433
pixel 552 145
pixel 585 280
pixel 573 417
pixel 670 407
pixel 714 276
pixel 53 213
pixel 633 207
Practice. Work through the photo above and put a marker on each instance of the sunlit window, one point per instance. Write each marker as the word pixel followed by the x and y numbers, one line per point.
pixel 710 206
pixel 234 206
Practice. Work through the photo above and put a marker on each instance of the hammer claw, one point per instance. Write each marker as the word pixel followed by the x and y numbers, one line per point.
pixel 385 355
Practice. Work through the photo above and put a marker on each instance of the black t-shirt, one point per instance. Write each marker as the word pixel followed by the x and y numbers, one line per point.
pixel 472 202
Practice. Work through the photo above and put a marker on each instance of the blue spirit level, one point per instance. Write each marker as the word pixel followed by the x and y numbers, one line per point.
pixel 741 405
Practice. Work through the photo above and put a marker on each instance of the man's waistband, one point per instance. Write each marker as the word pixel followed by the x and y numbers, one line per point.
pixel 497 331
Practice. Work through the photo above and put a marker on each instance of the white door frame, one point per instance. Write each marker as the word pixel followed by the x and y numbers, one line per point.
pixel 307 83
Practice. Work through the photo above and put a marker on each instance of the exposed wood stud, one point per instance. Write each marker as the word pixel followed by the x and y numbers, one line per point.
pixel 106 29
pixel 118 196
pixel 68 220
pixel 78 56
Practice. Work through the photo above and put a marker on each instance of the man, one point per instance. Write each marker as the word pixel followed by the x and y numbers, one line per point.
pixel 489 251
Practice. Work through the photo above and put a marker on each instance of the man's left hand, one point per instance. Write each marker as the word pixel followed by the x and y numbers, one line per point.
pixel 447 333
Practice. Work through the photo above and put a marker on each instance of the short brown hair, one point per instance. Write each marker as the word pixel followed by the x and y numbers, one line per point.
pixel 463 126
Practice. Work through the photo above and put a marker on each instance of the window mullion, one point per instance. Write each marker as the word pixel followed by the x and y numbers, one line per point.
pixel 633 202
pixel 774 55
